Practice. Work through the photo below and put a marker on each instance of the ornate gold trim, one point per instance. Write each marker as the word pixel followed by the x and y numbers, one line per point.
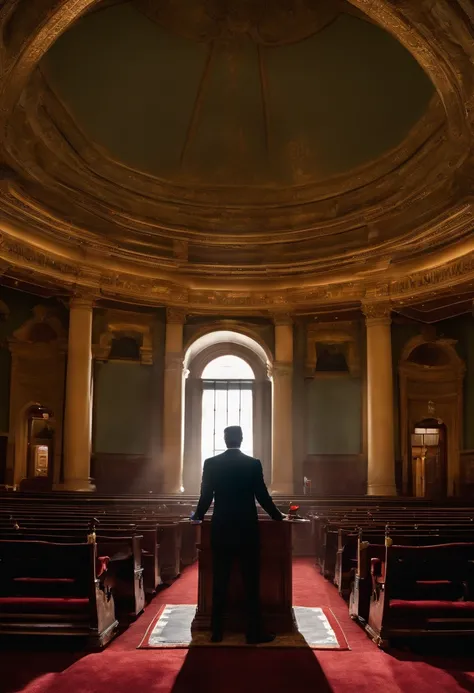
pixel 376 222
pixel 377 313
pixel 35 265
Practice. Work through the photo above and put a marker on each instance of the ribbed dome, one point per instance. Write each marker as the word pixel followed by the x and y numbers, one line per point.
pixel 237 93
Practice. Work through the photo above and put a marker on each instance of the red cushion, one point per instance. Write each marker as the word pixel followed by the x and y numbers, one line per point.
pixel 42 605
pixel 438 590
pixel 431 608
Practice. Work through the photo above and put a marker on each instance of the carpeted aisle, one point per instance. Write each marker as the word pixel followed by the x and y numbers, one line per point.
pixel 124 669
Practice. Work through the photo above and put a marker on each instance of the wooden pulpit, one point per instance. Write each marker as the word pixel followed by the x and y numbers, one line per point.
pixel 275 582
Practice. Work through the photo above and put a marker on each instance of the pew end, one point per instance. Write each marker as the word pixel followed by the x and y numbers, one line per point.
pixel 422 591
pixel 50 589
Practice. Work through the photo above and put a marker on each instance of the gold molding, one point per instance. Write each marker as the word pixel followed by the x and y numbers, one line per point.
pixel 377 313
pixel 359 238
pixel 37 266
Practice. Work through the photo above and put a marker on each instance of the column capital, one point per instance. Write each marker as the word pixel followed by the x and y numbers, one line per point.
pixel 282 319
pixel 81 301
pixel 281 368
pixel 378 313
pixel 175 316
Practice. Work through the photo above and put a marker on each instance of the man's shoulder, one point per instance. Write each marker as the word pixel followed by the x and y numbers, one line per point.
pixel 225 455
pixel 211 460
pixel 251 460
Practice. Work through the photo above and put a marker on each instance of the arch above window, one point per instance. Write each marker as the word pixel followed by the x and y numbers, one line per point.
pixel 228 367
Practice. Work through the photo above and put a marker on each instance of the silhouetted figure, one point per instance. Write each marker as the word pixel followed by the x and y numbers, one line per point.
pixel 234 481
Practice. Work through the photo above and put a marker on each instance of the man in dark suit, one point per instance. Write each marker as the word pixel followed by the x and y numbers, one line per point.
pixel 234 481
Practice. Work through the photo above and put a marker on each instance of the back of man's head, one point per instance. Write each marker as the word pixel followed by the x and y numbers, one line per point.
pixel 233 436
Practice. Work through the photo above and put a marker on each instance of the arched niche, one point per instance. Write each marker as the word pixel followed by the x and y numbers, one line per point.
pixel 206 347
pixel 40 444
pixel 431 386
pixel 341 343
pixel 38 350
pixel 124 326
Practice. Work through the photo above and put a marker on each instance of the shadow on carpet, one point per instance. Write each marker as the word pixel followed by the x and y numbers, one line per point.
pixel 32 660
pixel 251 670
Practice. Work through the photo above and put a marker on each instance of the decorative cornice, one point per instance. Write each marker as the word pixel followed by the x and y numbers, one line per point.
pixel 79 216
pixel 459 269
pixel 39 267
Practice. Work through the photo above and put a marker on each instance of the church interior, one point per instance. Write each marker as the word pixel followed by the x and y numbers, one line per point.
pixel 234 212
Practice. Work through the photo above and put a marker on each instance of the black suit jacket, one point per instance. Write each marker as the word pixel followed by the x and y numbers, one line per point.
pixel 234 480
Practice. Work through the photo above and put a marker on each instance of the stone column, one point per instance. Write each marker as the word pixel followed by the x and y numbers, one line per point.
pixel 192 468
pixel 78 412
pixel 282 427
pixel 173 419
pixel 380 431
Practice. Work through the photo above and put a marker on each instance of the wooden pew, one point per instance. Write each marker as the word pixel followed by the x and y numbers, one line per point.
pixel 124 574
pixel 372 547
pixel 55 589
pixel 349 541
pixel 361 585
pixel 422 591
pixel 161 539
pixel 50 526
pixel 327 538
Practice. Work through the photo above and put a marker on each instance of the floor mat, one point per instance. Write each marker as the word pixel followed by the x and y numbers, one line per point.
pixel 318 629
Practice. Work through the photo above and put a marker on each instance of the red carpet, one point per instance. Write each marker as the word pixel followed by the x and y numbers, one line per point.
pixel 123 669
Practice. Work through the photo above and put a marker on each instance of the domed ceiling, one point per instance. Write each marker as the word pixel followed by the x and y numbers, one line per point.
pixel 237 155
pixel 237 93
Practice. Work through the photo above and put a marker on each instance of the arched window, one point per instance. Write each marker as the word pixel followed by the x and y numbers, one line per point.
pixel 228 367
pixel 227 400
